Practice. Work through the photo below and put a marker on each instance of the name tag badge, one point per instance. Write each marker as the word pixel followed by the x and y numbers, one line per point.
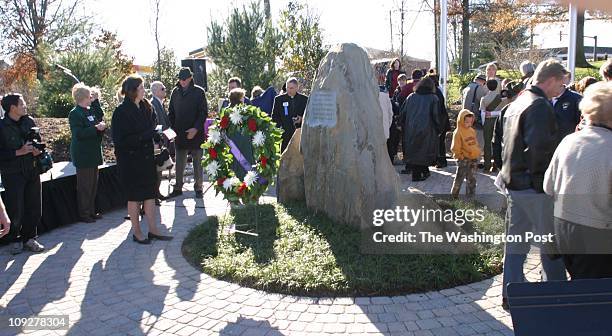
pixel 286 104
pixel 90 118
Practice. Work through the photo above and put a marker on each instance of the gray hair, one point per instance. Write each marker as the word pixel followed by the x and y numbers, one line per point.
pixel 596 106
pixel 156 85
pixel 549 69
pixel 527 68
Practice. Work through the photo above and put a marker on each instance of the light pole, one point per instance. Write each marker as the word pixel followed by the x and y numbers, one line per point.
pixel 442 61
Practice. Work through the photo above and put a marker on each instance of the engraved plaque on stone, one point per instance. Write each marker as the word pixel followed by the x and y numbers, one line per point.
pixel 322 109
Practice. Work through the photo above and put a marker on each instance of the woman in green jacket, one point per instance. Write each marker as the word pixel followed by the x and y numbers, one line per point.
pixel 87 126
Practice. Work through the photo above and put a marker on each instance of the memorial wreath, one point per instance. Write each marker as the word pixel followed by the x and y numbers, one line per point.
pixel 220 152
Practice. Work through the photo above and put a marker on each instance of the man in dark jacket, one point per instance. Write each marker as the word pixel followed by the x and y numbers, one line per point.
pixel 395 130
pixel 288 110
pixel 158 89
pixel 420 117
pixel 20 174
pixel 530 138
pixel 444 122
pixel 188 112
pixel 567 112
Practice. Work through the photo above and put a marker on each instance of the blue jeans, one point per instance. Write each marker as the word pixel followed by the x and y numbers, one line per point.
pixel 528 211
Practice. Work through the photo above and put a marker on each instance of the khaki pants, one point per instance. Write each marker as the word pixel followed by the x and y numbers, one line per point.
pixel 465 170
pixel 181 161
pixel 87 187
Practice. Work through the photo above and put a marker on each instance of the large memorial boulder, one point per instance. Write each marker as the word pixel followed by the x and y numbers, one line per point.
pixel 291 171
pixel 347 171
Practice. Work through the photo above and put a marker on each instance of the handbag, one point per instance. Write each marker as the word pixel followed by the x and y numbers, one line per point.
pixel 163 160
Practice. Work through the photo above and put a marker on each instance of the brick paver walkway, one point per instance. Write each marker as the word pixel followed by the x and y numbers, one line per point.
pixel 109 285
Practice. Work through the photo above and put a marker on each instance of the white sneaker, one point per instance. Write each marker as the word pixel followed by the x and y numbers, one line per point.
pixel 34 246
pixel 16 248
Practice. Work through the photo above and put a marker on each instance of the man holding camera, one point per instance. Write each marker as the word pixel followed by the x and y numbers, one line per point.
pixel 20 172
pixel 288 110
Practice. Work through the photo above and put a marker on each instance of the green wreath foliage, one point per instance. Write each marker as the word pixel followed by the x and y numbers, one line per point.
pixel 217 161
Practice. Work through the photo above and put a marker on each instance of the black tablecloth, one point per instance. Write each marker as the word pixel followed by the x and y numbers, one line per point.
pixel 60 202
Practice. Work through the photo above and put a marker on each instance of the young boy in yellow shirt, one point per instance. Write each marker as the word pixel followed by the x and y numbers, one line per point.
pixel 466 150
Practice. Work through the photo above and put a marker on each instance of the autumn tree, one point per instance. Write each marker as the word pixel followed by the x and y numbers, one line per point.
pixel 37 28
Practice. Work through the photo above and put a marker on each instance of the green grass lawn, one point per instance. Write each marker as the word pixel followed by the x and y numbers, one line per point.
pixel 301 253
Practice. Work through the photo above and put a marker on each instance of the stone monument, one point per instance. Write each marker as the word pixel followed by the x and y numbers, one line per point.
pixel 347 171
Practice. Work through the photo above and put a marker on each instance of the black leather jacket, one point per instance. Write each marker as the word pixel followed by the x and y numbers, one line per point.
pixel 13 135
pixel 530 139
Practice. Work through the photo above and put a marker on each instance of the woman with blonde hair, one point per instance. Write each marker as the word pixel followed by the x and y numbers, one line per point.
pixel 579 178
pixel 87 127
pixel 133 128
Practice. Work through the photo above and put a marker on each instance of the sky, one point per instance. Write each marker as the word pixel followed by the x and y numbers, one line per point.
pixel 365 22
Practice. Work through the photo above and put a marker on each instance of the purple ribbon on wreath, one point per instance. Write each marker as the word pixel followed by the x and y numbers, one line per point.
pixel 244 163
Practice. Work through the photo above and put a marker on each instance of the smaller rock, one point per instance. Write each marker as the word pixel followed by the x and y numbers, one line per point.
pixel 291 171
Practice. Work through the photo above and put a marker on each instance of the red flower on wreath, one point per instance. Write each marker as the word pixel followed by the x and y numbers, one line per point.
pixel 264 161
pixel 220 181
pixel 213 153
pixel 241 189
pixel 225 122
pixel 252 124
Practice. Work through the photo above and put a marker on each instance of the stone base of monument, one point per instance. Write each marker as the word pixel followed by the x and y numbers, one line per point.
pixel 291 171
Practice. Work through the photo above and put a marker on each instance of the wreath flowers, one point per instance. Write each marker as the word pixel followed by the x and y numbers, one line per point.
pixel 220 153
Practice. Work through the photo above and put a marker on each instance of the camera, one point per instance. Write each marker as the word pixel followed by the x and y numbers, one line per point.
pixel 33 136
pixel 45 161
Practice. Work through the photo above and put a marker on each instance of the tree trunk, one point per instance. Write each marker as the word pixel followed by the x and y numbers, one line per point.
pixel 267 10
pixel 159 65
pixel 40 69
pixel 581 61
pixel 465 34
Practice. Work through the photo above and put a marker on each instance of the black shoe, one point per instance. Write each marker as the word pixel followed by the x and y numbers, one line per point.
pixel 199 194
pixel 97 216
pixel 418 178
pixel 175 193
pixel 87 220
pixel 441 165
pixel 145 241
pixel 159 237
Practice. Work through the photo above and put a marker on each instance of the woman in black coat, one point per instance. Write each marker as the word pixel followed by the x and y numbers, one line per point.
pixel 133 131
pixel 420 118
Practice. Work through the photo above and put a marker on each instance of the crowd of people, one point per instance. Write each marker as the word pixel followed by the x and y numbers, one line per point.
pixel 551 145
pixel 550 141
pixel 420 120
pixel 138 134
